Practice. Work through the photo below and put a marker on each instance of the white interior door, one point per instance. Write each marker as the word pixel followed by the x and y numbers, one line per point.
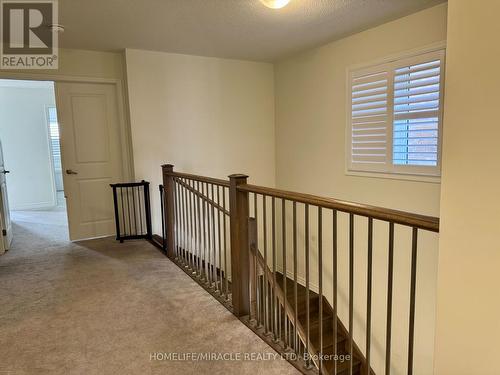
pixel 91 155
pixel 5 223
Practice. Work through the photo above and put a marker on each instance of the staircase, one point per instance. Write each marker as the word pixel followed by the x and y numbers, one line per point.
pixel 210 229
pixel 320 331
pixel 328 345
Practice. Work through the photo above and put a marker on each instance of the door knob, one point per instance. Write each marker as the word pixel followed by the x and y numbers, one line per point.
pixel 5 172
pixel 70 171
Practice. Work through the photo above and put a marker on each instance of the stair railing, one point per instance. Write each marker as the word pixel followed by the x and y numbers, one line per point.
pixel 252 248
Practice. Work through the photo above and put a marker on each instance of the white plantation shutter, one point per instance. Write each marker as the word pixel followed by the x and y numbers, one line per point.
pixel 417 105
pixel 396 115
pixel 369 118
pixel 54 137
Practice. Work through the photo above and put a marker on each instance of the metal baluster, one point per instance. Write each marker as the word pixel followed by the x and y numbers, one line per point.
pixel 369 295
pixel 295 317
pixel 266 286
pixel 219 239
pixel 199 244
pixel 335 285
pixel 389 301
pixel 413 285
pixel 256 262
pixel 320 285
pixel 192 230
pixel 185 221
pixel 214 259
pixel 176 219
pixel 273 249
pixel 174 250
pixel 195 227
pixel 285 279
pixel 188 230
pixel 205 246
pixel 225 241
pixel 181 225
pixel 351 289
pixel 209 241
pixel 194 238
pixel 308 324
pixel 199 210
pixel 188 223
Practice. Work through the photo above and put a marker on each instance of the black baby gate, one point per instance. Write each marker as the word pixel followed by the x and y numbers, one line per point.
pixel 132 210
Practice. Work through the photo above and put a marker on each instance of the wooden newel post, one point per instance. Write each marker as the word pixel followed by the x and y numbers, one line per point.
pixel 168 186
pixel 240 253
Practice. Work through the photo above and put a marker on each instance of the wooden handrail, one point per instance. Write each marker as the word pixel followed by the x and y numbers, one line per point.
pixel 380 213
pixel 209 180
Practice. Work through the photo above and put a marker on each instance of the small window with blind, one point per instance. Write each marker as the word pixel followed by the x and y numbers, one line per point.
pixel 395 116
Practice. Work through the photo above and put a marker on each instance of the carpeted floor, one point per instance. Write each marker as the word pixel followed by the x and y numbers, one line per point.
pixel 100 307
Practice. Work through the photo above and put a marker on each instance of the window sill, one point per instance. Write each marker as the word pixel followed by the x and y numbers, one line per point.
pixel 396 176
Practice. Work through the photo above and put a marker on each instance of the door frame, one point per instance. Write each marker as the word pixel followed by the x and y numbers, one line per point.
pixel 123 116
pixel 128 172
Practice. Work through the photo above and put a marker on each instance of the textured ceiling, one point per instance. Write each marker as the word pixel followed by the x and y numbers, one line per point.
pixel 240 29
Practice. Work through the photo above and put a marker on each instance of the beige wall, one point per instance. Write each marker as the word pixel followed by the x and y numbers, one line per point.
pixel 310 157
pixel 468 315
pixel 207 116
pixel 311 114
pixel 81 63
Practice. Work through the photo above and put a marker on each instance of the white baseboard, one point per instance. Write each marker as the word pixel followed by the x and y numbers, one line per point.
pixel 33 206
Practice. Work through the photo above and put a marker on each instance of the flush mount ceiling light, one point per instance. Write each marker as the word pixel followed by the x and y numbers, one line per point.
pixel 275 4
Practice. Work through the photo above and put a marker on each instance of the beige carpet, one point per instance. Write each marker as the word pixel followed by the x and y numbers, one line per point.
pixel 100 307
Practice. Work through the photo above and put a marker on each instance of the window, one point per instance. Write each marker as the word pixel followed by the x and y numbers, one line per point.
pixel 395 116
pixel 54 138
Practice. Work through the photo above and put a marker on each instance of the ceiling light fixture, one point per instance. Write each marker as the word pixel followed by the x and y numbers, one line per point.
pixel 275 4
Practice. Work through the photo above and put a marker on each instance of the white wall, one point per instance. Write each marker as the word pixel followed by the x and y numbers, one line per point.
pixel 25 140
pixel 310 157
pixel 468 315
pixel 206 116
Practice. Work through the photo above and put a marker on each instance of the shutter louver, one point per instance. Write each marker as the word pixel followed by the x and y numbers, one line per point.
pixel 369 117
pixel 417 114
pixel 54 138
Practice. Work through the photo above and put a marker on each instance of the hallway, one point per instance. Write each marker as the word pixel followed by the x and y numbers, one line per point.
pixel 44 227
pixel 100 307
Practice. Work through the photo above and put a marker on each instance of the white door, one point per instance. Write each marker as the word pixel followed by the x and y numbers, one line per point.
pixel 5 223
pixel 91 155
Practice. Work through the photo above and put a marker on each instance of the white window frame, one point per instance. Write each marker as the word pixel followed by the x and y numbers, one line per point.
pixel 389 170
